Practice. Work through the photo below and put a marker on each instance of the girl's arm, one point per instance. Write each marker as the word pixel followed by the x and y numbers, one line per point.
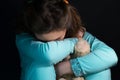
pixel 48 53
pixel 100 58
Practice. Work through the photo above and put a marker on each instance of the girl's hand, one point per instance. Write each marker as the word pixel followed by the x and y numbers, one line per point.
pixel 63 68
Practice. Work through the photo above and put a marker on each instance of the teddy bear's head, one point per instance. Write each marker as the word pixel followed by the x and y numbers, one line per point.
pixel 82 48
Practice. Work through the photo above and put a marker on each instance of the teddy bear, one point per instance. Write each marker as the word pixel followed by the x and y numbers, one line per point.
pixel 81 48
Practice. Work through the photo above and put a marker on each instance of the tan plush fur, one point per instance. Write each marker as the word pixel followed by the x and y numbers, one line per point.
pixel 81 48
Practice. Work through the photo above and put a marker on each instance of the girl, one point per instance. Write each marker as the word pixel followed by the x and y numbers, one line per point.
pixel 47 31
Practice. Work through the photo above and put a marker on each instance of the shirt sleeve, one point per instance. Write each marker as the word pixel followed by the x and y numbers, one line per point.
pixel 100 58
pixel 48 53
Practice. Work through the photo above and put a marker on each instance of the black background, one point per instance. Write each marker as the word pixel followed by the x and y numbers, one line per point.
pixel 101 17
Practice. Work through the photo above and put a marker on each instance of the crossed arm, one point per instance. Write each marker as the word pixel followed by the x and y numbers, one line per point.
pixel 48 53
pixel 100 58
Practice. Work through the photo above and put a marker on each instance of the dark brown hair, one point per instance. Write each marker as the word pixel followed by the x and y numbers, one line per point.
pixel 44 16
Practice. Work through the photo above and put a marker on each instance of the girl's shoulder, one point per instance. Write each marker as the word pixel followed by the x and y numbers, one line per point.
pixel 88 35
pixel 24 37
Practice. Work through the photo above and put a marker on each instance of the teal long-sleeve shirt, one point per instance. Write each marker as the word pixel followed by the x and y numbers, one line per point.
pixel 38 58
pixel 96 65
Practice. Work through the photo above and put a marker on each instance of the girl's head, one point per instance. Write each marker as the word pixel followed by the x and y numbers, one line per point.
pixel 45 16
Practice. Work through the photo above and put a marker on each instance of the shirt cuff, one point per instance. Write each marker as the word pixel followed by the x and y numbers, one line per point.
pixel 75 65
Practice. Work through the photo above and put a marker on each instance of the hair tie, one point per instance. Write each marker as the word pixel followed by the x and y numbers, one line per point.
pixel 66 1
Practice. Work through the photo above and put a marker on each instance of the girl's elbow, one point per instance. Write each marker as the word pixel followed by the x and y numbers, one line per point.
pixel 114 58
